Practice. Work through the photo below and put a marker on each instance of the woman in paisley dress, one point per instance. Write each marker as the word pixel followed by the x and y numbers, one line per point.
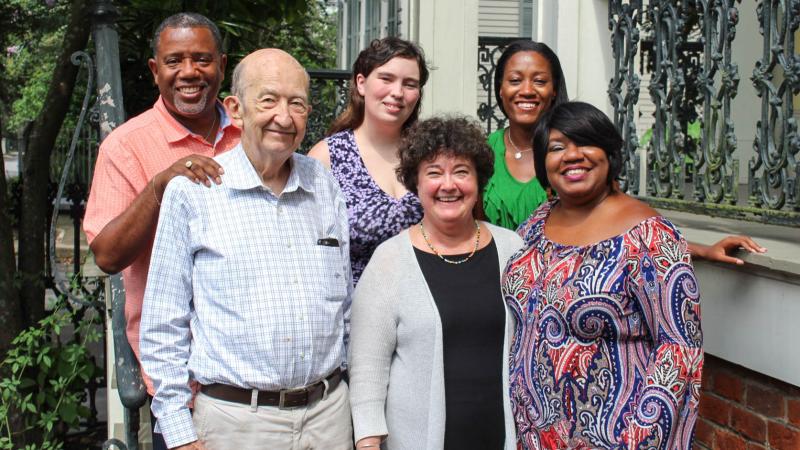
pixel 361 147
pixel 607 352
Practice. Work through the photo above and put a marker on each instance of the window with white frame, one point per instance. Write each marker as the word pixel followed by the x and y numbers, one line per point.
pixel 353 30
pixel 392 18
pixel 372 27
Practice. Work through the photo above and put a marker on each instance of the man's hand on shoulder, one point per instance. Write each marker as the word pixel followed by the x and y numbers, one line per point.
pixel 198 168
pixel 196 445
pixel 121 241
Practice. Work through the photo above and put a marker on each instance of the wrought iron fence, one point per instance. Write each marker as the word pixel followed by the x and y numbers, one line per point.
pixel 624 87
pixel 774 169
pixel 329 91
pixel 686 47
pixel 489 50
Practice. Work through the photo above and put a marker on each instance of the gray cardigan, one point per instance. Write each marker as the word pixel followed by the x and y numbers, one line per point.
pixel 396 368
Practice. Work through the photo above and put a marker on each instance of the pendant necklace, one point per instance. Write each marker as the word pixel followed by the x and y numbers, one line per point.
pixel 460 261
pixel 517 152
pixel 214 127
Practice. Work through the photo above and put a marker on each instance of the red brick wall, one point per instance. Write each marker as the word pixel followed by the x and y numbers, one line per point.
pixel 745 410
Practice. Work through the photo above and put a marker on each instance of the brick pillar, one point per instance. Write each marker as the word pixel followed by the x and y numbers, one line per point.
pixel 745 410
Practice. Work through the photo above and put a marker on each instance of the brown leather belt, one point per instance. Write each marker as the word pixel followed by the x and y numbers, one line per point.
pixel 284 399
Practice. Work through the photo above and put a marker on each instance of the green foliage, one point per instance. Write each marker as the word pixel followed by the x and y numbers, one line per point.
pixel 693 131
pixel 33 66
pixel 30 34
pixel 45 376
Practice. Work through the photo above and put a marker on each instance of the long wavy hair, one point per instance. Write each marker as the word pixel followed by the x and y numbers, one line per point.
pixel 378 53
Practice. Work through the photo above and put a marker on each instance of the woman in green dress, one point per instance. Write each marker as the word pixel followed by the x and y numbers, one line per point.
pixel 528 81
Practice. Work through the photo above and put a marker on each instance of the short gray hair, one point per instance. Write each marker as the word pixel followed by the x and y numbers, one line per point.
pixel 187 20
pixel 236 80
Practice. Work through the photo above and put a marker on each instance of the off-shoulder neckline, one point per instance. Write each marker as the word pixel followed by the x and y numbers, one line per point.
pixel 559 245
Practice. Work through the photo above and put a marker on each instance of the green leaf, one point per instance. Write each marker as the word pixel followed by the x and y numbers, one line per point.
pixel 25 383
pixel 69 413
pixel 84 411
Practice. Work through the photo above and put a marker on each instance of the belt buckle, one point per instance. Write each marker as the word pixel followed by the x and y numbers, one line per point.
pixel 282 397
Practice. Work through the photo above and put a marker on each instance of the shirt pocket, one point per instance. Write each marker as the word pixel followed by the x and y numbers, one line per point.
pixel 328 266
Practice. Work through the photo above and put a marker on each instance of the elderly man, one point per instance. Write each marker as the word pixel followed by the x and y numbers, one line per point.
pixel 179 135
pixel 249 285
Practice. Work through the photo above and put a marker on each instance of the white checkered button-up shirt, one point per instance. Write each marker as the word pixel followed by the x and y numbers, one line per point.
pixel 239 290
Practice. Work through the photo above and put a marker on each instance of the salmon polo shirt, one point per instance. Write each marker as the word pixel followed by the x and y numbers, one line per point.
pixel 127 160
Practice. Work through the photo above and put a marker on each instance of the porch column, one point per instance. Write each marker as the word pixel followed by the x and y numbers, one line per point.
pixel 448 32
pixel 578 33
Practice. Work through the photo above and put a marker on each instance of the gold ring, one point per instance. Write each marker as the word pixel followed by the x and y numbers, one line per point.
pixel 188 164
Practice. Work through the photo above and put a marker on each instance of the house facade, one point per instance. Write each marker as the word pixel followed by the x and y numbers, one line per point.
pixel 714 84
pixel 706 95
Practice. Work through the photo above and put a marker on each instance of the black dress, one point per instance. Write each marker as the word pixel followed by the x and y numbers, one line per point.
pixel 472 312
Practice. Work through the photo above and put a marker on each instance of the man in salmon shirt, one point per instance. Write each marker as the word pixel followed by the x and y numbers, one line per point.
pixel 186 127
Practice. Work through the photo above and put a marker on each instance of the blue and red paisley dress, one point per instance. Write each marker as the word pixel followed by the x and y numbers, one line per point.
pixel 607 352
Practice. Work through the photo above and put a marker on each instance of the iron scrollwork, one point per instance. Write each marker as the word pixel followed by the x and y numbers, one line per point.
pixel 665 162
pixel 716 171
pixel 77 194
pixel 489 50
pixel 329 91
pixel 623 90
pixel 774 168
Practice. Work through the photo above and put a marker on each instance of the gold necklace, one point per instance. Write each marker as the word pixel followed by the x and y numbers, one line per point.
pixel 214 123
pixel 518 153
pixel 460 261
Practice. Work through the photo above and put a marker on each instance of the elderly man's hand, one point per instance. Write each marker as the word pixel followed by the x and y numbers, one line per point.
pixel 196 445
pixel 720 250
pixel 197 168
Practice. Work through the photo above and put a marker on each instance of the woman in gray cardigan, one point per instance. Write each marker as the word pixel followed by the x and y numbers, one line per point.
pixel 429 329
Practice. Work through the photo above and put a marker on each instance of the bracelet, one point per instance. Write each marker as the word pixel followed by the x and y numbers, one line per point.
pixel 369 446
pixel 153 181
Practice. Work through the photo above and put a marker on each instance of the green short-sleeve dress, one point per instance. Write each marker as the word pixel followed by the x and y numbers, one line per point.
pixel 507 202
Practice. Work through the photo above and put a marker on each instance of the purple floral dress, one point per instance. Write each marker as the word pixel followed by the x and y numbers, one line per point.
pixel 374 215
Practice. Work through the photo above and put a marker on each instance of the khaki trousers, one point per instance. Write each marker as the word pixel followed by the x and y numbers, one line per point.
pixel 326 424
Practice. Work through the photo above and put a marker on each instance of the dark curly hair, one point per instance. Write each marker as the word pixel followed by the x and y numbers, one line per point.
pixel 378 53
pixel 455 136
pixel 584 125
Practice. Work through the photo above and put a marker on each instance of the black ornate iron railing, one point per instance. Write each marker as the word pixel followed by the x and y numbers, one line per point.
pixel 623 90
pixel 774 169
pixel 665 163
pixel 686 47
pixel 716 170
pixel 84 294
pixel 489 50
pixel 329 91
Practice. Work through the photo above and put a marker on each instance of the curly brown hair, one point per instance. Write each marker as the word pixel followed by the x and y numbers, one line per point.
pixel 455 136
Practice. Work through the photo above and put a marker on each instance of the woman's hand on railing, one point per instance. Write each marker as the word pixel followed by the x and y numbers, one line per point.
pixel 720 251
